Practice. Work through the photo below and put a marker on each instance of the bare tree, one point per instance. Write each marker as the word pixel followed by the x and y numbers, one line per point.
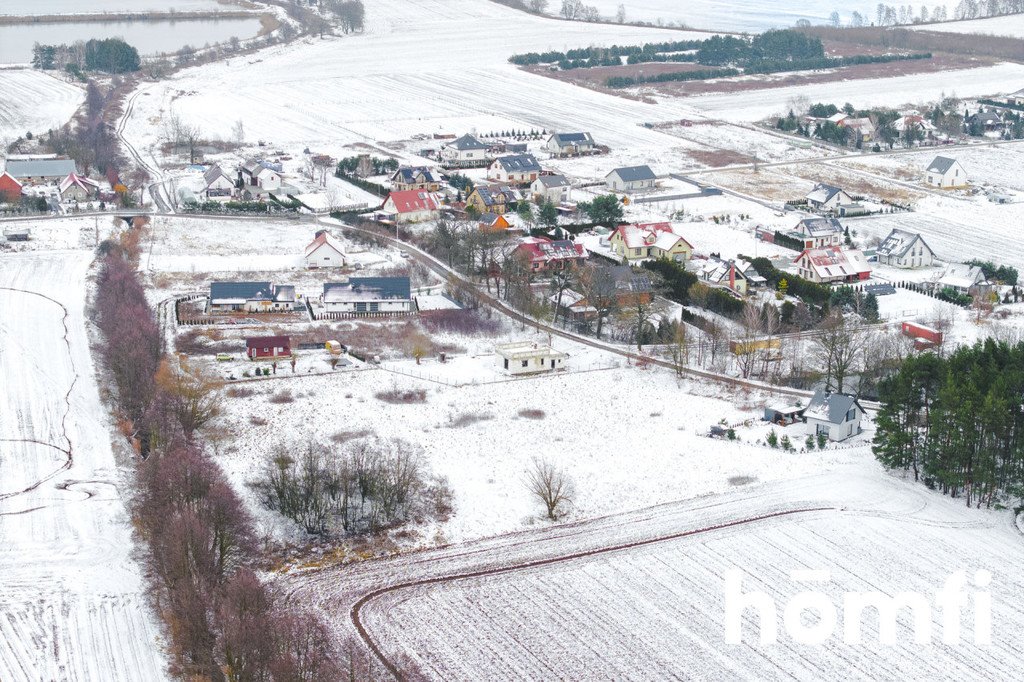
pixel 550 485
pixel 194 392
pixel 537 6
pixel 838 348
pixel 597 285
pixel 238 132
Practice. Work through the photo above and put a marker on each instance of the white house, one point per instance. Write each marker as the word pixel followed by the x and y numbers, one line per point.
pixel 837 415
pixel 324 252
pixel 218 183
pixel 570 144
pixel 465 151
pixel 946 173
pixel 516 169
pixel 553 188
pixel 962 278
pixel 831 264
pixel 630 179
pixel 79 188
pixel 251 297
pixel 904 249
pixel 257 174
pixel 819 232
pixel 411 206
pixel 828 198
pixel 362 295
pixel 526 357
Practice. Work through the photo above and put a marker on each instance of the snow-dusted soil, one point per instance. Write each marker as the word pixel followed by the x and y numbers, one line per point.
pixel 71 594
pixel 1011 26
pixel 658 610
pixel 35 102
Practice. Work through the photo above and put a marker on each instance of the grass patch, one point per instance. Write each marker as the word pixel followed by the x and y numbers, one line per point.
pixel 257 420
pixel 282 397
pixel 468 419
pixel 240 392
pixel 399 397
pixel 532 413
pixel 346 436
pixel 742 480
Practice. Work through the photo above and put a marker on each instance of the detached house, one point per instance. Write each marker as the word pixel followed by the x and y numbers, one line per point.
pixel 268 347
pixel 725 274
pixel 517 169
pixel 987 121
pixel 819 232
pixel 570 144
pixel 828 198
pixel 10 188
pixel 542 254
pixel 465 151
pixel 836 415
pixel 218 183
pixel 525 357
pixel 945 173
pixel 495 199
pixel 639 242
pixel 963 279
pixel 411 206
pixel 419 177
pixel 78 188
pixel 324 252
pixel 831 264
pixel 251 297
pixel 256 174
pixel 553 188
pixel 905 250
pixel 364 295
pixel 631 179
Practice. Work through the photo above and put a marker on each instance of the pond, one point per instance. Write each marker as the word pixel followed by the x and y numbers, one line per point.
pixel 149 37
pixel 43 7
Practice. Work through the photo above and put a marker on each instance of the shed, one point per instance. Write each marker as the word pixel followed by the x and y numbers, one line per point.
pixel 268 347
pixel 526 357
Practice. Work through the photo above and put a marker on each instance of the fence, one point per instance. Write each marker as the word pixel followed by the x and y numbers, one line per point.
pixel 595 366
pixel 366 315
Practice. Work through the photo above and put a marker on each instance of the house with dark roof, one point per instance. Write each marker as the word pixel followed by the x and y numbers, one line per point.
pixel 39 171
pixel 495 199
pixel 988 121
pixel 411 206
pixel 415 177
pixel 516 169
pixel 268 347
pixel 630 179
pixel 904 249
pixel 251 297
pixel 258 175
pixel 570 144
pixel 836 415
pixel 465 151
pixel 827 197
pixel 553 188
pixel 945 173
pixel 831 264
pixel 218 183
pixel 368 295
pixel 818 232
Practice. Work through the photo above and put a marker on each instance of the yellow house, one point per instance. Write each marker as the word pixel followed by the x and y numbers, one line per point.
pixel 497 200
pixel 634 243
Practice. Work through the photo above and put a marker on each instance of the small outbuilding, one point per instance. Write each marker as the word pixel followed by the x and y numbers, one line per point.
pixel 526 357
pixel 268 347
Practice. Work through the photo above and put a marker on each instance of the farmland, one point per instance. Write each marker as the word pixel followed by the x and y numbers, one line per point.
pixel 34 102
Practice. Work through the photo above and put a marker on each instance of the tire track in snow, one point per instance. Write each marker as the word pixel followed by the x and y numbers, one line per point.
pixel 393 668
pixel 68 451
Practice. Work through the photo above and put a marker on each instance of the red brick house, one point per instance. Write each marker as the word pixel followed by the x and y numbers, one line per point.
pixel 10 189
pixel 268 347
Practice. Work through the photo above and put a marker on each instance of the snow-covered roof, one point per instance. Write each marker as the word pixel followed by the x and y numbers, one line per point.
pixel 941 164
pixel 36 168
pixel 358 289
pixel 571 139
pixel 898 243
pixel 520 350
pixel 634 173
pixel 961 276
pixel 518 163
pixel 553 181
pixel 76 180
pixel 213 173
pixel 643 235
pixel 325 240
pixel 236 293
pixel 823 193
pixel 831 407
pixel 413 174
pixel 466 143
pixel 413 200
pixel 832 261
pixel 542 249
pixel 819 227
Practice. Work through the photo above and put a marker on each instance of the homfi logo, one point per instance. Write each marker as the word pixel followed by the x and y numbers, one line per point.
pixel 951 600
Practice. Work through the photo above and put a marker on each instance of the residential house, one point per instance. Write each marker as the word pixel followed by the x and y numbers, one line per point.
pixel 945 173
pixel 553 188
pixel 629 288
pixel 465 151
pixel 818 232
pixel 828 197
pixel 830 264
pixel 544 255
pixel 570 144
pixel 517 169
pixel 725 274
pixel 78 188
pixel 251 297
pixel 836 415
pixel 218 183
pixel 526 357
pixel 963 279
pixel 10 188
pixel 904 249
pixel 418 177
pixel 268 347
pixel 913 121
pixel 986 121
pixel 366 295
pixel 411 206
pixel 862 130
pixel 630 179
pixel 493 199
pixel 642 241
pixel 34 171
pixel 257 174
pixel 493 222
pixel 324 252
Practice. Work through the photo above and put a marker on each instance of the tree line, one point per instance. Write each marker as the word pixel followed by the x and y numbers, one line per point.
pixel 956 422
pixel 110 55
pixel 223 621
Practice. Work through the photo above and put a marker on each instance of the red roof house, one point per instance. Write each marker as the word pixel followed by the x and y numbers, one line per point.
pixel 10 189
pixel 831 264
pixel 268 347
pixel 544 254
pixel 411 206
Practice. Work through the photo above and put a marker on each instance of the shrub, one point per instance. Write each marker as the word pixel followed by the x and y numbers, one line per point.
pixel 532 413
pixel 468 419
pixel 240 392
pixel 282 397
pixel 809 443
pixel 465 322
pixel 786 444
pixel 397 396
pixel 772 439
pixel 822 441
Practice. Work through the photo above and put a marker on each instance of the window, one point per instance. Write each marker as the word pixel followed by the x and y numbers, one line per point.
pixel 526 363
pixel 821 429
pixel 374 307
pixel 360 307
pixel 636 251
pixel 851 415
pixel 506 363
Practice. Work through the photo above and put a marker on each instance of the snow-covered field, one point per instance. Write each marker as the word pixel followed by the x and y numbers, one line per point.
pixel 40 7
pixel 996 166
pixel 1012 26
pixel 34 101
pixel 73 602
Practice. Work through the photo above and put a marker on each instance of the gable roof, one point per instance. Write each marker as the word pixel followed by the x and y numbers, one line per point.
pixel 495 196
pixel 718 271
pixel 823 193
pixel 819 227
pixel 634 173
pixel 542 249
pixel 643 235
pixel 571 139
pixel 519 163
pixel 225 292
pixel 412 200
pixel 627 280
pixel 552 181
pixel 411 174
pixel 268 342
pixel 213 173
pixel 32 168
pixel 832 261
pixel 467 142
pixel 76 180
pixel 324 239
pixel 941 164
pixel 10 179
pixel 898 243
pixel 368 289
pixel 831 407
pixel 962 275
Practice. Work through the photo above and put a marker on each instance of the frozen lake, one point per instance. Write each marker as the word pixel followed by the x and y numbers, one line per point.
pixel 40 7
pixel 150 37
